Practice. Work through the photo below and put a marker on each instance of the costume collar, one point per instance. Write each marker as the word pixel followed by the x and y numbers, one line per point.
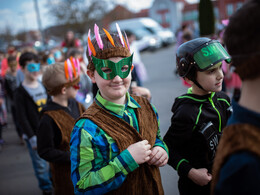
pixel 198 97
pixel 117 108
pixel 243 115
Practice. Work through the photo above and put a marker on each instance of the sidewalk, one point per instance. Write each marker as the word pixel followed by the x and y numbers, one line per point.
pixel 16 171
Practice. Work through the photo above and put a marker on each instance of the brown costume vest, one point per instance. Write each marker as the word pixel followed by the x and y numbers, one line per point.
pixel 145 179
pixel 61 172
pixel 235 138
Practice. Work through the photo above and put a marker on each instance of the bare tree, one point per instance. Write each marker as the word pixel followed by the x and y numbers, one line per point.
pixel 6 34
pixel 78 14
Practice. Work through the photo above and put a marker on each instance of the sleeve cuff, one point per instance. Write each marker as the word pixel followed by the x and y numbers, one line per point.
pixel 183 168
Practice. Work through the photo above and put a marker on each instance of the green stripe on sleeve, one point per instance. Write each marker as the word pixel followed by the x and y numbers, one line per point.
pixel 182 160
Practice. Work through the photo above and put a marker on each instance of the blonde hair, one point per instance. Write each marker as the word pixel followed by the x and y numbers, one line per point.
pixel 54 76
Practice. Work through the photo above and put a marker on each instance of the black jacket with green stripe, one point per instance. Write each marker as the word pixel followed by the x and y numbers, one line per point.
pixel 187 147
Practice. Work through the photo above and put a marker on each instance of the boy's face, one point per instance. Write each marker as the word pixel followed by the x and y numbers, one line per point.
pixel 211 80
pixel 112 90
pixel 108 69
pixel 31 71
pixel 71 91
pixel 13 66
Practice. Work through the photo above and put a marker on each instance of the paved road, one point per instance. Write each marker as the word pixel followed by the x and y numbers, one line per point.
pixel 16 172
pixel 165 86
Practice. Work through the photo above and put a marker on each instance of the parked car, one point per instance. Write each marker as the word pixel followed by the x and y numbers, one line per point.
pixel 145 40
pixel 164 36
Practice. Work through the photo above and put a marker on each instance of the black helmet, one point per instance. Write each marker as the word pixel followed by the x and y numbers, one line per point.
pixel 199 55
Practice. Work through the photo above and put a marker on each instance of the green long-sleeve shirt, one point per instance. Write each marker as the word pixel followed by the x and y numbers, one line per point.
pixel 97 166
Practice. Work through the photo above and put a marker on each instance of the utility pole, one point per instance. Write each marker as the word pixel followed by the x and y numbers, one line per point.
pixel 39 22
pixel 24 25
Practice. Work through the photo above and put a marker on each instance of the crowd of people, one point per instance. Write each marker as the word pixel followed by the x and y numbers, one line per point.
pixel 90 127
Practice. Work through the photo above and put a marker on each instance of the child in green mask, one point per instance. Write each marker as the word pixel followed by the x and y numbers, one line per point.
pixel 116 145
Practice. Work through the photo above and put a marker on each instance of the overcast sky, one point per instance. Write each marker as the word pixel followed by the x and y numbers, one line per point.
pixel 20 15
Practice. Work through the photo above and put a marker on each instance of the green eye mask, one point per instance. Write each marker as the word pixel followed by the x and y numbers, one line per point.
pixel 108 69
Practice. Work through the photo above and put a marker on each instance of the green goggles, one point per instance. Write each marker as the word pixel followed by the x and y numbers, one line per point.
pixel 210 54
pixel 108 69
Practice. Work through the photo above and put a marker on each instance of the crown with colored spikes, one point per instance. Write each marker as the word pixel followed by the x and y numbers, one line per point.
pixel 71 68
pixel 72 74
pixel 106 45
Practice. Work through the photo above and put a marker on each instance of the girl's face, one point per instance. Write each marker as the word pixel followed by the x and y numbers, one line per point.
pixel 113 90
pixel 210 80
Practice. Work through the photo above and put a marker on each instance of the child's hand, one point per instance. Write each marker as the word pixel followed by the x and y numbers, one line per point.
pixel 33 142
pixel 141 91
pixel 200 176
pixel 1 101
pixel 158 157
pixel 140 151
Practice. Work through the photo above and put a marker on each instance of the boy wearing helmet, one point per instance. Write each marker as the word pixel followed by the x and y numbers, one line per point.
pixel 116 147
pixel 236 167
pixel 198 116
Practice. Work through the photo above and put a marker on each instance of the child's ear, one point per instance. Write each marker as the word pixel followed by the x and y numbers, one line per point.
pixel 63 90
pixel 91 75
pixel 188 81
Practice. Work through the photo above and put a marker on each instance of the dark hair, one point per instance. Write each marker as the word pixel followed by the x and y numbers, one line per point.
pixel 11 59
pixel 43 56
pixel 187 36
pixel 73 52
pixel 243 41
pixel 72 42
pixel 27 56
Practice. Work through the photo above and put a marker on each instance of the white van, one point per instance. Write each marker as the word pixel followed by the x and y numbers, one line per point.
pixel 145 39
pixel 166 36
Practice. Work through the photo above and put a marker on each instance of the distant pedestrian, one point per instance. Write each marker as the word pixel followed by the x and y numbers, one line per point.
pixel 3 111
pixel 30 97
pixel 139 72
pixel 11 51
pixel 70 41
pixel 10 87
pixel 57 121
pixel 199 115
pixel 183 34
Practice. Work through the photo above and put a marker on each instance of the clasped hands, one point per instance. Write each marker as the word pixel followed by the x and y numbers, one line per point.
pixel 142 152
